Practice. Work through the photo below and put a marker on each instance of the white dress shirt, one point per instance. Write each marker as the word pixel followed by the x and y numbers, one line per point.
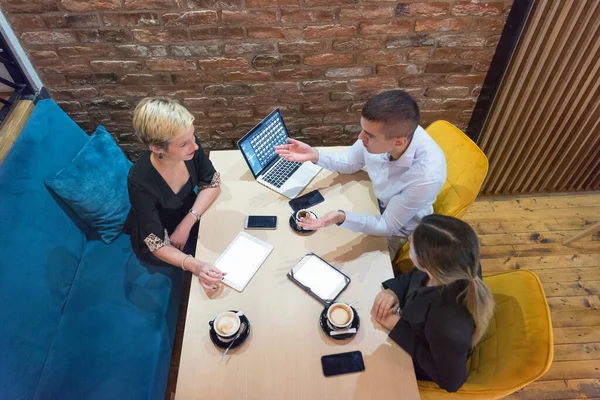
pixel 406 188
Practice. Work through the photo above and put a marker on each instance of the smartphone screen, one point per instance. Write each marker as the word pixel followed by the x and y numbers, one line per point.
pixel 343 363
pixel 261 222
pixel 306 201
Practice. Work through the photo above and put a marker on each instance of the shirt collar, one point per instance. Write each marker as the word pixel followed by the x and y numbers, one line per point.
pixel 406 159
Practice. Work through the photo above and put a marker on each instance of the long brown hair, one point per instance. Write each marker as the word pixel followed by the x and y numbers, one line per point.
pixel 448 249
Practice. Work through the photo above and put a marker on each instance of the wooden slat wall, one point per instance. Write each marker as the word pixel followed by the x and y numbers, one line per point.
pixel 543 132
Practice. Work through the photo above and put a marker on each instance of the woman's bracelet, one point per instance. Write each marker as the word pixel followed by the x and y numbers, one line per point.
pixel 183 262
pixel 195 214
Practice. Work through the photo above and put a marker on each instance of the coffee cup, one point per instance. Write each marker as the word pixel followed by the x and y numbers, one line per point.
pixel 227 324
pixel 303 214
pixel 340 315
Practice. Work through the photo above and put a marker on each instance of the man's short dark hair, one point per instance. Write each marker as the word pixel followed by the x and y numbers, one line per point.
pixel 393 107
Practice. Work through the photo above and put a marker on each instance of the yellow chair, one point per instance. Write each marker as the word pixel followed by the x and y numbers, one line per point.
pixel 467 167
pixel 518 346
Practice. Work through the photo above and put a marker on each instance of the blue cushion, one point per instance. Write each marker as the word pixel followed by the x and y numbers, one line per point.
pixel 40 249
pixel 94 185
pixel 115 337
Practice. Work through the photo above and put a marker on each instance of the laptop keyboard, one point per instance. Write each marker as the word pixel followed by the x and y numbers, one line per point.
pixel 281 173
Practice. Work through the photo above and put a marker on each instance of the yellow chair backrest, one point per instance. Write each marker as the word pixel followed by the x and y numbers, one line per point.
pixel 518 347
pixel 467 168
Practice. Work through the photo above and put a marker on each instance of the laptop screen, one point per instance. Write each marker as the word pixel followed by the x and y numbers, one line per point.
pixel 258 145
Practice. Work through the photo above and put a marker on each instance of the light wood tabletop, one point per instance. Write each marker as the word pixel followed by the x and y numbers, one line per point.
pixel 281 359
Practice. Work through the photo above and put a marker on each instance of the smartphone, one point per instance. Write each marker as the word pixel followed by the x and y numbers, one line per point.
pixel 342 363
pixel 261 222
pixel 306 201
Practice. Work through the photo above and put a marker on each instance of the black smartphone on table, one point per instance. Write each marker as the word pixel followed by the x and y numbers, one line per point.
pixel 261 222
pixel 306 201
pixel 342 363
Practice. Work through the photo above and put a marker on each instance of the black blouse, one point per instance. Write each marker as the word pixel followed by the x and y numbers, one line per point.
pixel 436 328
pixel 155 209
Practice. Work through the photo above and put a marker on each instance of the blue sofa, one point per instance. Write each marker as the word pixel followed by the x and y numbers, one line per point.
pixel 79 319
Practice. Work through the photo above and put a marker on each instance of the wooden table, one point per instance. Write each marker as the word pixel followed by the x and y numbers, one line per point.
pixel 281 359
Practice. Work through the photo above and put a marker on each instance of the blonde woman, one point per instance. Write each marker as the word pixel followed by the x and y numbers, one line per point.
pixel 445 307
pixel 170 187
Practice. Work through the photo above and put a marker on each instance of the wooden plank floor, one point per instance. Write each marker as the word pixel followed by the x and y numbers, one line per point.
pixel 526 232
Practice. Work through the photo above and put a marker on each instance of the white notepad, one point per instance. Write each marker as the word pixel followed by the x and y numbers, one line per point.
pixel 241 259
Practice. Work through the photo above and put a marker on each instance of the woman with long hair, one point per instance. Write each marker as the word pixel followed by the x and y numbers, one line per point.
pixel 441 309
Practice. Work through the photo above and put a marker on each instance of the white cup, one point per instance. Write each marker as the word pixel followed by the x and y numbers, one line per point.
pixel 297 216
pixel 340 315
pixel 227 324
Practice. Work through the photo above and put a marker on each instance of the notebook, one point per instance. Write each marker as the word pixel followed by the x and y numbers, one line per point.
pixel 241 259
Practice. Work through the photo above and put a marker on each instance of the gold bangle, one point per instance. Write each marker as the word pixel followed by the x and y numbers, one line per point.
pixel 183 261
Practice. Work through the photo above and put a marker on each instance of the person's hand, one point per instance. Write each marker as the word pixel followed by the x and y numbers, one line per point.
pixel 297 151
pixel 209 276
pixel 389 321
pixel 332 217
pixel 180 236
pixel 385 303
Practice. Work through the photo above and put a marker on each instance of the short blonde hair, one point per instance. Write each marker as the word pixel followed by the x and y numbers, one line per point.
pixel 158 120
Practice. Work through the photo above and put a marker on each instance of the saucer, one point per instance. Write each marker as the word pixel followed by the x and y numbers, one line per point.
pixel 223 344
pixel 327 327
pixel 298 230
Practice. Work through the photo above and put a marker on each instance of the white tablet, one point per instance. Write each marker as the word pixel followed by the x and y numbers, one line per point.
pixel 319 278
pixel 241 259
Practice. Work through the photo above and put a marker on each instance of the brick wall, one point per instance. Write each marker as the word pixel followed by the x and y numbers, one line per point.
pixel 232 61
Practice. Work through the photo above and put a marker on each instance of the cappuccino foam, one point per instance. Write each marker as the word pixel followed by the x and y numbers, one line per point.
pixel 339 316
pixel 227 325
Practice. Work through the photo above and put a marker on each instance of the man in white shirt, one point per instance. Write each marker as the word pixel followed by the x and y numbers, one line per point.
pixel 406 166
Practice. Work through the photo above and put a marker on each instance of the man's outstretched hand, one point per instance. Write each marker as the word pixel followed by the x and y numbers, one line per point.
pixel 297 151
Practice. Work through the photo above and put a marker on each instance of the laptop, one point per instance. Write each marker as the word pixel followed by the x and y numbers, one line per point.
pixel 258 148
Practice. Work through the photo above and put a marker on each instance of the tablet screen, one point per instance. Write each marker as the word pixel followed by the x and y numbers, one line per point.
pixel 323 280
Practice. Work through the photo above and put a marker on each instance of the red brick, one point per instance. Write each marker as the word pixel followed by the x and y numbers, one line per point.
pixel 444 54
pixel 244 101
pixel 380 57
pixel 377 82
pixel 324 108
pixel 109 104
pixel 322 131
pixel 302 46
pixel 249 17
pixel 348 72
pixel 221 32
pixel 352 129
pixel 357 107
pixel 60 67
pixel 271 87
pixel 54 80
pixel 125 91
pixel 329 59
pixel 398 69
pixel 43 55
pixel 271 3
pixel 326 31
pixel 419 55
pixel 439 25
pixel 150 4
pixel 114 66
pixel 230 89
pixel 492 41
pixel 104 36
pixel 244 48
pixel 48 37
pixel 72 21
pixel 92 79
pixel 421 9
pixel 28 6
pixel 26 22
pixel 198 50
pixel 340 118
pixel 357 44
pixel 100 50
pixel 165 64
pixel 145 79
pixel 194 78
pixel 486 25
pixel 223 63
pixel 136 50
pixel 222 4
pixel 420 80
pixel 293 74
pixel 462 40
pixel 275 61
pixel 477 55
pixel 433 115
pixel 204 102
pixel 487 9
pixel 133 19
pixel 305 98
pixel 481 66
pixel 274 33
pixel 447 67
pixel 190 18
pixel 352 96
pixel 68 106
pixel 416 40
pixel 75 94
pixel 309 86
pixel 247 76
pixel 447 91
pixel 366 13
pixel 160 36
pixel 230 113
pixel 326 3
pixel 176 91
pixel 460 104
pixel 299 16
pixel 392 27
pixel 90 5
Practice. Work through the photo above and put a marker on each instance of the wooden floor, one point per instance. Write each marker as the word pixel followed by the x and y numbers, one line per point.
pixel 526 233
